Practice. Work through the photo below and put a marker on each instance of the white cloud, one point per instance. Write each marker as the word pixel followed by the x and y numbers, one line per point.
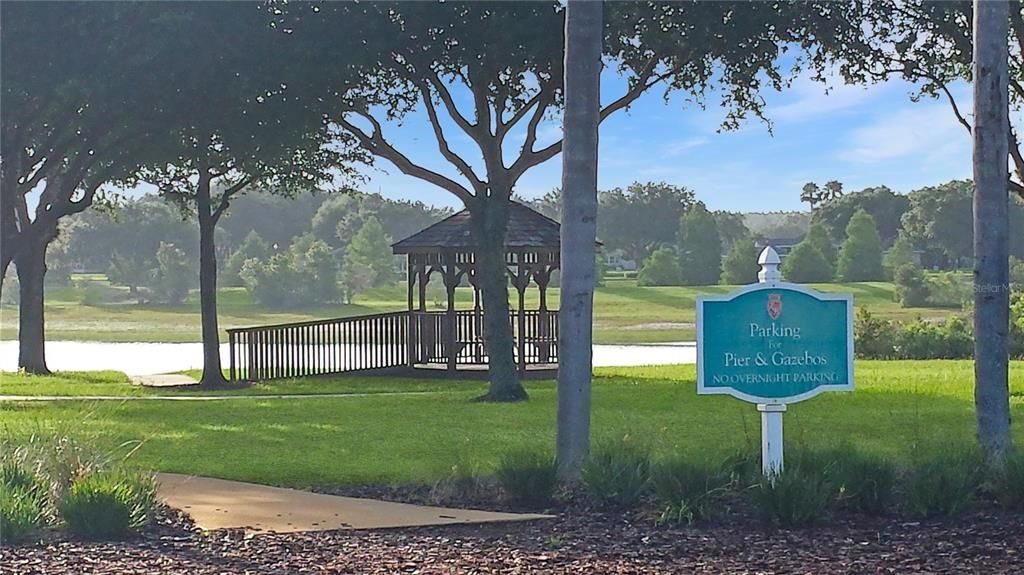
pixel 680 147
pixel 811 100
pixel 926 132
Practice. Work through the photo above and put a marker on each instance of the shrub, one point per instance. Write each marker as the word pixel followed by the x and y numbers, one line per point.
pixel 806 264
pixel 528 478
pixel 900 254
pixel 616 474
pixel 911 285
pixel 950 289
pixel 1008 482
pixel 873 337
pixel 927 340
pixel 661 268
pixel 687 492
pixel 942 487
pixel 797 496
pixel 740 264
pixel 107 505
pixel 21 512
pixel 1017 323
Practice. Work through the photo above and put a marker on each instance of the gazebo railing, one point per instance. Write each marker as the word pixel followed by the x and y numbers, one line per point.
pixel 319 347
pixel 382 341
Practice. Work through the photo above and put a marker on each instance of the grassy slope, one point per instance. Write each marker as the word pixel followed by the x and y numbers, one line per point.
pixel 904 409
pixel 623 312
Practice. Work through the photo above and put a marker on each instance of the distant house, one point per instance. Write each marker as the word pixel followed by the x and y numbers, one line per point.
pixel 616 260
pixel 782 245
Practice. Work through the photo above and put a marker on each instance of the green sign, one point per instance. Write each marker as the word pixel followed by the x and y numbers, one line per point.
pixel 774 343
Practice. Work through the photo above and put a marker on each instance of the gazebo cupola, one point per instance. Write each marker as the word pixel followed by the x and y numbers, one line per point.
pixel 451 337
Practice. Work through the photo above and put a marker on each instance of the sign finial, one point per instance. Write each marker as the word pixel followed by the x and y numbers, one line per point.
pixel 769 261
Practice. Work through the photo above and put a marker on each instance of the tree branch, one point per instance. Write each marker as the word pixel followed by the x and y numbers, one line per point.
pixel 449 104
pixel 442 143
pixel 225 197
pixel 377 145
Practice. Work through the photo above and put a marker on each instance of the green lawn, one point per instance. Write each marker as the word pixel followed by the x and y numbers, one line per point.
pixel 623 312
pixel 900 409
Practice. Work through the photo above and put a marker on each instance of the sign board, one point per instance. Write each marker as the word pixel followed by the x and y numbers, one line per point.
pixel 774 343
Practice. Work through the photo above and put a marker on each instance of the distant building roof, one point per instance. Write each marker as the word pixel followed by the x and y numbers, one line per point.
pixel 527 229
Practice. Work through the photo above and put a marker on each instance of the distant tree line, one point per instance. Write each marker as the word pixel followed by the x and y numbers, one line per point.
pixel 311 250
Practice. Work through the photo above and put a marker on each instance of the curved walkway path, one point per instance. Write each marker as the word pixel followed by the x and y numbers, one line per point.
pixel 151 358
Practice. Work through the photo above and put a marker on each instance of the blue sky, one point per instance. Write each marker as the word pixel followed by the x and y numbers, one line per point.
pixel 860 136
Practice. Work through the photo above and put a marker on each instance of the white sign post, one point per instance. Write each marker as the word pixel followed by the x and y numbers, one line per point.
pixel 774 343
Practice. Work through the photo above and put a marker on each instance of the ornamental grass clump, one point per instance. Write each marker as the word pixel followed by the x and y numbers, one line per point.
pixel 617 474
pixel 687 492
pixel 942 487
pixel 22 503
pixel 528 478
pixel 1008 482
pixel 799 495
pixel 108 505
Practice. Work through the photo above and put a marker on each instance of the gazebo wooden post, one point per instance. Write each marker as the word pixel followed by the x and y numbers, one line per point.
pixel 543 277
pixel 522 281
pixel 411 337
pixel 450 329
pixel 478 332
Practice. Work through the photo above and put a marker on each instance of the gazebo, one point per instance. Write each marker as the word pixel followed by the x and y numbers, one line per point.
pixel 452 338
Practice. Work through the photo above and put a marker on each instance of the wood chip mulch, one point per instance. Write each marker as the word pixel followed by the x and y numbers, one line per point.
pixel 580 540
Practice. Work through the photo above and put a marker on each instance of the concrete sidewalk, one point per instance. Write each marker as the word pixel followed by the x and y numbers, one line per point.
pixel 222 504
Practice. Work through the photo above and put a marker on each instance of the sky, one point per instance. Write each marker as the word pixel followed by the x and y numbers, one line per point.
pixel 861 136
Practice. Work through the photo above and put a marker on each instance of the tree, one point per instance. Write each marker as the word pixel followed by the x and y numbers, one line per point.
pixel 818 237
pixel 860 257
pixel 883 38
pixel 730 228
pixel 882 203
pixel 303 275
pixel 832 190
pixel 173 276
pixel 75 110
pixel 901 253
pixel 371 248
pixel 257 121
pixel 506 59
pixel 778 225
pixel 700 248
pixel 661 268
pixel 740 264
pixel 939 218
pixel 806 264
pixel 252 247
pixel 583 35
pixel 131 268
pixel 991 225
pixel 332 212
pixel 642 217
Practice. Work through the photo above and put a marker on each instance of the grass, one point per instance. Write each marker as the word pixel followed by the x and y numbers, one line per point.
pixel 623 312
pixel 114 383
pixel 902 410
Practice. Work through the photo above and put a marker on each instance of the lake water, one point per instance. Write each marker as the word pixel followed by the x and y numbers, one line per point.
pixel 152 358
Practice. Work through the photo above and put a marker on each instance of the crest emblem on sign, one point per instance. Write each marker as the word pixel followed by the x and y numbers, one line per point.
pixel 774 305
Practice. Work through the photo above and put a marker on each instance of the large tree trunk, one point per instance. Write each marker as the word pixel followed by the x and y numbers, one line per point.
pixel 30 262
pixel 583 35
pixel 991 226
pixel 489 223
pixel 213 375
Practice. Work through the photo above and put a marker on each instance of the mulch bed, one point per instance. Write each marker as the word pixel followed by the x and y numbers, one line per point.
pixel 580 540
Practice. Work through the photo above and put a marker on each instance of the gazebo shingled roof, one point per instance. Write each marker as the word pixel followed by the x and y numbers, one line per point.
pixel 527 230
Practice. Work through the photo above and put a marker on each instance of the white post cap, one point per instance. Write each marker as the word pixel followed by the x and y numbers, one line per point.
pixel 769 261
